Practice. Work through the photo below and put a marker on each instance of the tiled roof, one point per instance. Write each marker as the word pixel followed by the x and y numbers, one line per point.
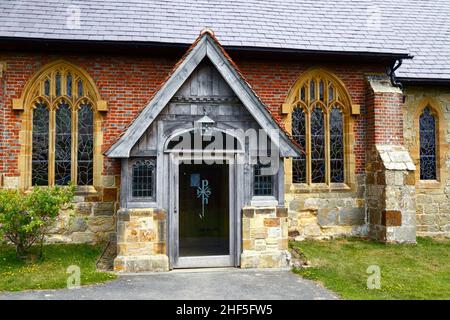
pixel 418 27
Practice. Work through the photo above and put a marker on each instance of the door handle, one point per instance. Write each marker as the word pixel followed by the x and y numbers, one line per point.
pixel 175 210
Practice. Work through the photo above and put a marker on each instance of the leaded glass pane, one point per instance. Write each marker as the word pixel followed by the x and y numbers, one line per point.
pixel 330 92
pixel 39 161
pixel 262 184
pixel 427 146
pixel 80 88
pixel 143 178
pixel 317 146
pixel 312 90
pixel 336 146
pixel 47 87
pixel 69 85
pixel 303 93
pixel 85 152
pixel 321 90
pixel 299 134
pixel 63 142
pixel 58 84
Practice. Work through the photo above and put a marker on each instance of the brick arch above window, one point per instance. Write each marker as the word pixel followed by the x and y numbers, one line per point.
pixel 68 104
pixel 318 112
pixel 319 86
pixel 74 84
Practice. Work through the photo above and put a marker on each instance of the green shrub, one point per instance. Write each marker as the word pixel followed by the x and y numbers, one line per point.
pixel 26 217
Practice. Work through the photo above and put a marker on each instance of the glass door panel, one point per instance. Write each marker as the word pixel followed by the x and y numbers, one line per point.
pixel 204 228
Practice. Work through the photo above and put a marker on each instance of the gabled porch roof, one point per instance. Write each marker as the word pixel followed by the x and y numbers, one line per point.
pixel 208 46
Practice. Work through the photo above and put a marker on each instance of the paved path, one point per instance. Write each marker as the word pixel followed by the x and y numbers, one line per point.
pixel 219 284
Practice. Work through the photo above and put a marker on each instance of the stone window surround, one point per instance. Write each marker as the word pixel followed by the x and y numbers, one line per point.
pixel 348 109
pixel 441 148
pixel 31 92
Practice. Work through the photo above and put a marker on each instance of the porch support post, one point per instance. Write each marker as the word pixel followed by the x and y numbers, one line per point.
pixel 141 240
pixel 264 237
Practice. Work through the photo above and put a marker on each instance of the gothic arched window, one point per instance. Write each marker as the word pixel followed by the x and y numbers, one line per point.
pixel 60 102
pixel 320 104
pixel 427 132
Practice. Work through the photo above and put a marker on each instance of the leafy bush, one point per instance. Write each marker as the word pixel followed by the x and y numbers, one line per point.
pixel 26 217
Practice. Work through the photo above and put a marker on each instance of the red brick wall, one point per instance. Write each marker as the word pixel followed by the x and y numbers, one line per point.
pixel 272 81
pixel 127 82
pixel 384 118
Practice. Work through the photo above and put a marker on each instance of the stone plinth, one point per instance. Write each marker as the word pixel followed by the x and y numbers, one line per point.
pixel 264 237
pixel 141 240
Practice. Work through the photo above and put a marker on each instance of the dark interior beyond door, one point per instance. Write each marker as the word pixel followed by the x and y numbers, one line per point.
pixel 204 210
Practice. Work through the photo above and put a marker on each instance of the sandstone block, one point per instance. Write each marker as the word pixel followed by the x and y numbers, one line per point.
pixel 83 208
pixel 258 233
pixel 282 212
pixel 109 194
pixel 104 209
pixel 271 222
pixel 77 224
pixel 248 212
pixel 352 216
pixel 391 218
pixel 83 237
pixel 101 224
pixel 142 263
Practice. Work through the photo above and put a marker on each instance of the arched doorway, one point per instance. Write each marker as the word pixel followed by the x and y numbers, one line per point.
pixel 203 222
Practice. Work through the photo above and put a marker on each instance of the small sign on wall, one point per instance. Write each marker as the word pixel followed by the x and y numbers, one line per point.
pixel 195 180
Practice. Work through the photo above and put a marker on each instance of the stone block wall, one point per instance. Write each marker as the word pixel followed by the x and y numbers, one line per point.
pixel 141 240
pixel 433 197
pixel 327 214
pixel 92 216
pixel 391 195
pixel 264 237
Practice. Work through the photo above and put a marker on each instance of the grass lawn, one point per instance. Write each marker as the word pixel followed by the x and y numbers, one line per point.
pixel 50 271
pixel 419 271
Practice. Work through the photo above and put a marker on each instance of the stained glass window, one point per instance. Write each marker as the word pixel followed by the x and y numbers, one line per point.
pixel 317 146
pixel 143 179
pixel 63 144
pixel 336 146
pixel 62 133
pixel 318 123
pixel 39 162
pixel 262 183
pixel 427 145
pixel 85 145
pixel 299 134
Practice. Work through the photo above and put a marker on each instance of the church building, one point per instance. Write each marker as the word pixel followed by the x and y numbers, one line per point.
pixel 210 133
